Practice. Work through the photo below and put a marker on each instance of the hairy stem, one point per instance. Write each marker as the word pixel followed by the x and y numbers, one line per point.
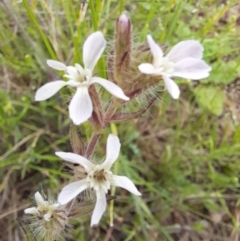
pixel 108 114
pixel 91 145
pixel 97 106
pixel 118 117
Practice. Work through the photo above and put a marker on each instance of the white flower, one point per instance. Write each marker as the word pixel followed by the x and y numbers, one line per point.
pixel 49 220
pixel 99 178
pixel 80 107
pixel 43 209
pixel 184 60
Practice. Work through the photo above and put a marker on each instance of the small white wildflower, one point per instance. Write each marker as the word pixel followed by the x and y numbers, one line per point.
pixel 99 178
pixel 50 218
pixel 80 107
pixel 184 60
pixel 43 208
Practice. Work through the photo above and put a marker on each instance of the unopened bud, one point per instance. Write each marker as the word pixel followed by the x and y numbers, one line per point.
pixel 122 51
pixel 123 22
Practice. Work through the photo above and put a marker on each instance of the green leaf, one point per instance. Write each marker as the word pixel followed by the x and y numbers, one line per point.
pixel 210 98
pixel 223 72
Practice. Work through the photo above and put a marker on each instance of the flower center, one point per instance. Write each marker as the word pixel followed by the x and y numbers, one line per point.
pixel 80 78
pixel 165 65
pixel 46 209
pixel 49 211
pixel 77 75
pixel 99 178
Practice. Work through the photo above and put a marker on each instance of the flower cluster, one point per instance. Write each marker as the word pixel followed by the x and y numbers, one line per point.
pixel 132 72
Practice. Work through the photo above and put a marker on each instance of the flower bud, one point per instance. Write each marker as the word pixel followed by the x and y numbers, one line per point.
pixel 122 48
pixel 123 23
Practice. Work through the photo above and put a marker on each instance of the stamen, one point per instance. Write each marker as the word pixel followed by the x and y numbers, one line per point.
pixel 99 176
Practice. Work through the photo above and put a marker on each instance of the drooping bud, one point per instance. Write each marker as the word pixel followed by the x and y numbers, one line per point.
pixel 122 51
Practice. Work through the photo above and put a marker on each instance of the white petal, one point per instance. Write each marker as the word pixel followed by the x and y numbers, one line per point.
pixel 185 49
pixel 72 73
pixel 100 208
pixel 80 107
pixel 31 211
pixel 172 87
pixel 70 191
pixel 55 206
pixel 149 69
pixel 49 89
pixel 192 69
pixel 110 87
pixel 47 217
pixel 56 64
pixel 39 199
pixel 126 183
pixel 74 158
pixel 113 149
pixel 92 49
pixel 155 48
pixel 79 68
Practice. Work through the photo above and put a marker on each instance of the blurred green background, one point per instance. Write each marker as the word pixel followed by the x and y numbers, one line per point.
pixel 183 155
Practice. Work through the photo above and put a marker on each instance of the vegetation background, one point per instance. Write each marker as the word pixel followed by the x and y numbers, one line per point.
pixel 184 155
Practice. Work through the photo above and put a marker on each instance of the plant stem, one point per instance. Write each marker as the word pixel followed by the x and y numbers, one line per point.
pixel 108 114
pixel 91 145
